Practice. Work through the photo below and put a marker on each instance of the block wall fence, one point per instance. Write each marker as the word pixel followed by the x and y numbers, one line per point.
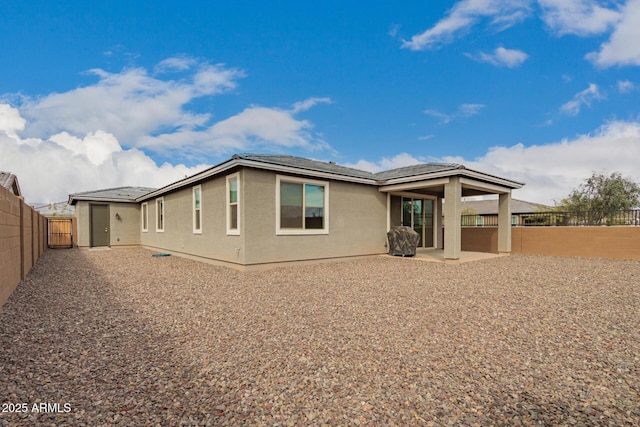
pixel 617 242
pixel 23 239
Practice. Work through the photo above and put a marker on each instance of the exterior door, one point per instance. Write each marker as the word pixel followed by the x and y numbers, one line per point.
pixel 418 214
pixel 99 225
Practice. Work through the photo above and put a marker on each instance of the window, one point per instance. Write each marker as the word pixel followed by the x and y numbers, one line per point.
pixel 302 206
pixel 233 204
pixel 197 209
pixel 160 214
pixel 145 217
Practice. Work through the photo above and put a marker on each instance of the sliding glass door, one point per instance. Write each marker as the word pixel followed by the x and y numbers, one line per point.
pixel 418 214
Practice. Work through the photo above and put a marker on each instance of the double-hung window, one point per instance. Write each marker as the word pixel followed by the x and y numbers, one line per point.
pixel 197 209
pixel 160 214
pixel 145 217
pixel 233 204
pixel 302 206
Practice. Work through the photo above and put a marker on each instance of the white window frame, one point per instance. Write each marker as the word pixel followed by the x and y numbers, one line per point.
pixel 194 209
pixel 144 217
pixel 164 218
pixel 228 204
pixel 302 231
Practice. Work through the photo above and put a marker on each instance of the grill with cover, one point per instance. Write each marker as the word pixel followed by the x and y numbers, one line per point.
pixel 403 241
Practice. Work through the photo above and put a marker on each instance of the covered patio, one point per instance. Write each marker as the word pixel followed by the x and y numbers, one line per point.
pixel 432 194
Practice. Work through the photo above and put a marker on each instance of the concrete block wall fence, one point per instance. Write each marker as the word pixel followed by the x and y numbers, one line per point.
pixel 23 239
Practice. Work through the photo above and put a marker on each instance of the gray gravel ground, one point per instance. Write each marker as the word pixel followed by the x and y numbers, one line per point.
pixel 122 338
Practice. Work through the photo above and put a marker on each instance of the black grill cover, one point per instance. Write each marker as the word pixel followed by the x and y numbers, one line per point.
pixel 403 241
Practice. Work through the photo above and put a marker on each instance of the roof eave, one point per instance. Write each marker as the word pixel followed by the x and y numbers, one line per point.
pixel 233 162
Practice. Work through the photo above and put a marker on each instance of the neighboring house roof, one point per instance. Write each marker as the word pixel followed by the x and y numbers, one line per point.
pixel 490 207
pixel 59 209
pixel 10 181
pixel 331 170
pixel 119 194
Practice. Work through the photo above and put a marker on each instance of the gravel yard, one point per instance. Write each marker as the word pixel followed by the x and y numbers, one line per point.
pixel 119 337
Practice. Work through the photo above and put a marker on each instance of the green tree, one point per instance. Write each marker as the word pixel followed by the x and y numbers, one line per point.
pixel 602 195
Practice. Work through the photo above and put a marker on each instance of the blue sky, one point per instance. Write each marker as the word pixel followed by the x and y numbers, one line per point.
pixel 105 94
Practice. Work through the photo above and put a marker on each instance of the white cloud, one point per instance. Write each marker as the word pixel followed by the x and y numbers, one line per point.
pixel 50 169
pixel 550 171
pixel 387 163
pixel 146 111
pixel 582 98
pixel 470 109
pixel 464 110
pixel 501 57
pixel 466 13
pixel 625 86
pixel 129 104
pixel 578 17
pixel 622 48
pixel 308 103
pixel 10 120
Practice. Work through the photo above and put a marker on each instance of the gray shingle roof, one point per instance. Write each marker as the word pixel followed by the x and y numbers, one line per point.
pixel 490 207
pixel 10 181
pixel 416 170
pixel 123 194
pixel 306 164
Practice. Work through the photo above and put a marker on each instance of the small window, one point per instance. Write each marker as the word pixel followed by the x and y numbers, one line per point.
pixel 197 209
pixel 145 216
pixel 233 204
pixel 160 214
pixel 302 206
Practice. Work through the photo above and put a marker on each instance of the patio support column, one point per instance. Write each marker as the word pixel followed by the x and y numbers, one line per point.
pixel 452 218
pixel 504 223
pixel 437 223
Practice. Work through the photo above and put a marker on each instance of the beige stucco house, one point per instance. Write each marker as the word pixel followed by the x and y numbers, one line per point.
pixel 260 209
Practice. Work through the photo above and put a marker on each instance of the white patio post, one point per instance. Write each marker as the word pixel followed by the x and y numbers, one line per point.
pixel 452 219
pixel 504 223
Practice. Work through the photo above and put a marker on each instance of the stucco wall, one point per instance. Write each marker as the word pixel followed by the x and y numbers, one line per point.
pixel 357 223
pixel 588 242
pixel 22 241
pixel 125 231
pixel 178 236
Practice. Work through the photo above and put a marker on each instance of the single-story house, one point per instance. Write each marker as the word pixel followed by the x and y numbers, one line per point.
pixel 257 209
pixel 10 182
pixel 483 213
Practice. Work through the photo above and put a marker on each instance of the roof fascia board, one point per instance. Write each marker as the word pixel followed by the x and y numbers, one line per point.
pixel 484 186
pixel 493 179
pixel 455 172
pixel 426 183
pixel 99 199
pixel 308 172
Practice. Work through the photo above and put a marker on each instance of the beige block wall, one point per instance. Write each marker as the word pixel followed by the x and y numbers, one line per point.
pixel 357 223
pixel 178 236
pixel 10 249
pixel 588 242
pixel 22 241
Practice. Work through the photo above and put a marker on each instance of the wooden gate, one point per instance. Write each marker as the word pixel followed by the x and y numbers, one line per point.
pixel 60 233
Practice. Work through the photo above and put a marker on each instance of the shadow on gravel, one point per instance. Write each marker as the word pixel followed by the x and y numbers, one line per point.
pixel 77 351
pixel 121 338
